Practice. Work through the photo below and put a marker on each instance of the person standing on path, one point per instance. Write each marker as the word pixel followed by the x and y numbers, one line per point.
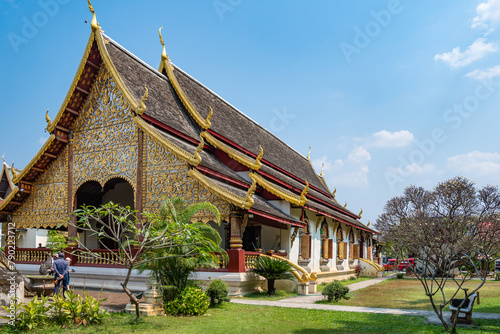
pixel 69 270
pixel 61 268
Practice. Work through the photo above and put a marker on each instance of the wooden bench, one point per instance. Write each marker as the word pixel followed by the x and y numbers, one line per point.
pixel 466 309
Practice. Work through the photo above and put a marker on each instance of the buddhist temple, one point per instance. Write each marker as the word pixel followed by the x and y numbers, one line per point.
pixel 132 134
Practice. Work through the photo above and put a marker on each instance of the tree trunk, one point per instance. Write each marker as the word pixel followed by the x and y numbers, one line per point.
pixel 270 287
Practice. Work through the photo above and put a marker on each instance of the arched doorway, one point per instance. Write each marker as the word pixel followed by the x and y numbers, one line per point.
pixel 116 190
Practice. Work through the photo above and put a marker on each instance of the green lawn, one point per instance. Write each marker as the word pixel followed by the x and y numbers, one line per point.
pixel 234 318
pixel 346 282
pixel 409 294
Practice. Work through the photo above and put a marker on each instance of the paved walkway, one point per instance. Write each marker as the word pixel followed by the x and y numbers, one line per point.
pixel 308 302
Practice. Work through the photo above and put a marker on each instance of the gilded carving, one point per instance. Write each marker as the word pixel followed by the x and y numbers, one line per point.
pixel 166 176
pixel 46 205
pixel 104 136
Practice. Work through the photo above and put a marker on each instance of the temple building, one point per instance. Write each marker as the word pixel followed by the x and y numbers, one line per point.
pixel 131 134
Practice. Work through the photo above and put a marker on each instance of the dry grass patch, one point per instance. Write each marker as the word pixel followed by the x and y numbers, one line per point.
pixel 409 294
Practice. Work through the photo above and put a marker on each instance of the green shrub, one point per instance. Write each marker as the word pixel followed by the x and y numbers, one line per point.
pixel 352 278
pixel 217 292
pixel 34 314
pixel 497 276
pixel 335 291
pixel 191 301
pixel 400 275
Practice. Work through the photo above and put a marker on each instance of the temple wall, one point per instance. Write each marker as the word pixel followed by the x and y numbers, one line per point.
pixel 105 138
pixel 165 176
pixel 47 204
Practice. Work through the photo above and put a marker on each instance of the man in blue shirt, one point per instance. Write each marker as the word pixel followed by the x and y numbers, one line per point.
pixel 61 268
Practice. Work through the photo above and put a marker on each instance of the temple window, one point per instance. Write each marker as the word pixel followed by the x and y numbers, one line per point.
pixel 341 245
pixel 305 242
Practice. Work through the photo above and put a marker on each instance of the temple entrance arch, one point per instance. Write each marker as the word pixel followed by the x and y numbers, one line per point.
pixel 116 190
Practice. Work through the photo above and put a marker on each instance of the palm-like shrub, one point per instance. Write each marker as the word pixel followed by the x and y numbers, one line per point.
pixel 272 270
pixel 172 267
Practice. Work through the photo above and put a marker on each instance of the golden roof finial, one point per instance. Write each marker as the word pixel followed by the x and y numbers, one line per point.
pixel 13 170
pixel 360 213
pixel 197 156
pixel 334 191
pixel 209 117
pixel 94 25
pixel 345 205
pixel 257 159
pixel 368 224
pixel 303 198
pixel 164 52
pixel 322 168
pixel 248 203
pixel 309 154
pixel 47 119
pixel 142 105
pixel 3 158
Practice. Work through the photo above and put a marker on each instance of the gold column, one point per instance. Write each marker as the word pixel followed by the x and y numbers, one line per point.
pixel 235 220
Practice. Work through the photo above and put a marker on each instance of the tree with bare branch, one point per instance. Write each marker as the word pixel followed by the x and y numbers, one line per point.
pixel 140 237
pixel 452 227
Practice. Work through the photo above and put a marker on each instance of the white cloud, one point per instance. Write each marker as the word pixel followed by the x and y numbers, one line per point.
pixel 351 172
pixel 42 140
pixel 488 14
pixel 478 163
pixel 412 170
pixel 475 51
pixel 485 74
pixel 385 138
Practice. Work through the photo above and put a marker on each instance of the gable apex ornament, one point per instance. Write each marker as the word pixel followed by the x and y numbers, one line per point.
pixel 309 154
pixel 47 119
pixel 142 106
pixel 360 213
pixel 94 25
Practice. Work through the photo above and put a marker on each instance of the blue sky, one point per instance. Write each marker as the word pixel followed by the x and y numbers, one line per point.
pixel 387 93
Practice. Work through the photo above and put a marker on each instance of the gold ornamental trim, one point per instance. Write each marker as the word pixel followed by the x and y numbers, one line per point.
pixel 242 202
pixel 74 83
pixel 35 159
pixel 42 225
pixel 234 154
pixel 137 107
pixel 192 159
pixel 280 192
pixel 167 66
pixel 9 198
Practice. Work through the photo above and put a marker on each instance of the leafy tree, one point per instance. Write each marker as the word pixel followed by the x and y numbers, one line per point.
pixel 140 236
pixel 173 272
pixel 452 226
pixel 56 241
pixel 272 269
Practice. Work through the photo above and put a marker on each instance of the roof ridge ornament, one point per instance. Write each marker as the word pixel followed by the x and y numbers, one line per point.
pixel 303 198
pixel 248 203
pixel 164 55
pixel 322 168
pixel 309 154
pixel 360 213
pixel 3 159
pixel 94 25
pixel 47 119
pixel 13 170
pixel 168 67
pixel 142 106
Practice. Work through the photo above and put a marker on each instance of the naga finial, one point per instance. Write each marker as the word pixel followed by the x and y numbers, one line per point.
pixel 94 25
pixel 334 191
pixel 368 224
pixel 209 117
pixel 248 197
pixel 259 157
pixel 309 154
pixel 47 119
pixel 360 213
pixel 164 52
pixel 322 168
pixel 142 106
pixel 3 158
pixel 345 205
pixel 303 198
pixel 13 170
